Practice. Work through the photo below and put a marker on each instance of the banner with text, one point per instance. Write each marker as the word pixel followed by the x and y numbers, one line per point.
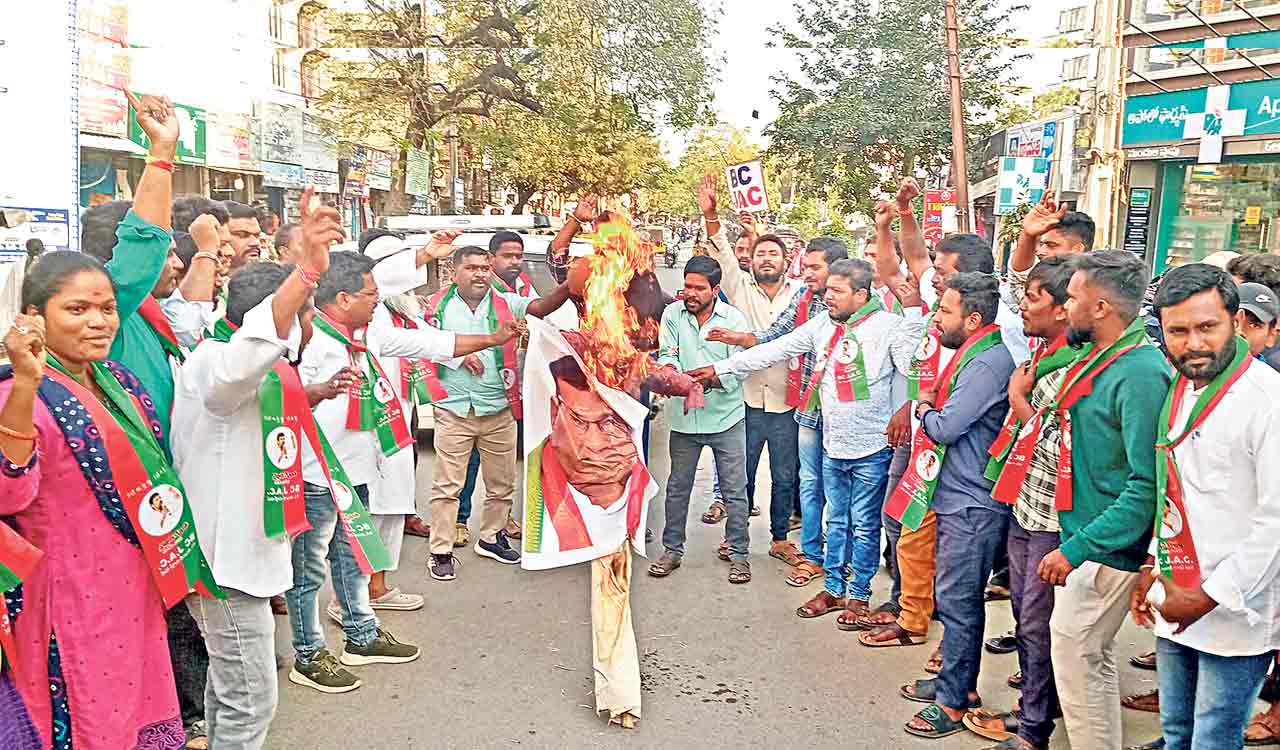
pixel 746 187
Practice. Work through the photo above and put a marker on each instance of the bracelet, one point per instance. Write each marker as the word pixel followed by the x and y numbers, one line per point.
pixel 205 254
pixel 9 432
pixel 311 278
pixel 164 164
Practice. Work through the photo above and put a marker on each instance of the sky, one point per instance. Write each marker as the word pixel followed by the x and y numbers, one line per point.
pixel 744 83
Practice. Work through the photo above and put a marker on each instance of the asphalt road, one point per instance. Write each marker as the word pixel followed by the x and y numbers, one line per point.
pixel 507 659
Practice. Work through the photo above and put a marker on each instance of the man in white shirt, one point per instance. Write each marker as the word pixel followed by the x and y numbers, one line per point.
pixel 218 449
pixel 860 350
pixel 1210 588
pixel 346 297
pixel 762 292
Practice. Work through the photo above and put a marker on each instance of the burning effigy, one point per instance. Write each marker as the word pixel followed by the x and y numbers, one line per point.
pixel 587 489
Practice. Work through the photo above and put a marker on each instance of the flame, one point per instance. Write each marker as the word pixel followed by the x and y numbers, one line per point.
pixel 610 323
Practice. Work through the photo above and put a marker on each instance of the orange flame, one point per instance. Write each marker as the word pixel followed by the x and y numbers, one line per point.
pixel 610 323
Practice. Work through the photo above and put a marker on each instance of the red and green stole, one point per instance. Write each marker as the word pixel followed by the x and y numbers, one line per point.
pixel 148 487
pixel 1013 446
pixel 922 373
pixel 504 357
pixel 1176 555
pixel 549 490
pixel 891 301
pixel 523 287
pixel 152 313
pixel 795 368
pixel 419 379
pixel 18 558
pixel 851 368
pixel 912 497
pixel 284 408
pixel 371 402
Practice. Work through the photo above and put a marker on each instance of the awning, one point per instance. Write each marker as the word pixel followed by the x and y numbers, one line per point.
pixel 110 143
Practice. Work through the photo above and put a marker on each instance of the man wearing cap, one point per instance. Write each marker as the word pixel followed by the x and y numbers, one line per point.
pixel 1256 318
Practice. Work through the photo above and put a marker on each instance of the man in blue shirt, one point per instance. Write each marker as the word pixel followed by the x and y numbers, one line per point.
pixel 719 425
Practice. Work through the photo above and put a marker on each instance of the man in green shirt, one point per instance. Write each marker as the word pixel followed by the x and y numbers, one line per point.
pixel 720 424
pixel 1113 397
pixel 479 410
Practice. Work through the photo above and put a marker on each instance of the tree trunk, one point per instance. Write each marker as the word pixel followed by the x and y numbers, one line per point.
pixel 523 194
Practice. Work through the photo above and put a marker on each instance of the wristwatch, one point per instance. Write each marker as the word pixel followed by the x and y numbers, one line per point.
pixel 921 408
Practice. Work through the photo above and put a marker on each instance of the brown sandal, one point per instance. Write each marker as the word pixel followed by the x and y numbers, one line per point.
pixel 1148 701
pixel 853 610
pixel 873 620
pixel 803 573
pixel 739 571
pixel 715 514
pixel 664 566
pixel 1268 724
pixel 899 637
pixel 822 604
pixel 785 551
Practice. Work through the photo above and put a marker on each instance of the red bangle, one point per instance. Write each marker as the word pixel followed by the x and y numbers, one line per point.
pixel 161 163
pixel 312 278
pixel 15 434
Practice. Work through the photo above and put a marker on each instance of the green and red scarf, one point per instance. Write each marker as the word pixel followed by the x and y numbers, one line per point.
pixel 371 401
pixel 1013 446
pixel 851 368
pixel 151 312
pixel 419 379
pixel 18 559
pixel 504 356
pixel 148 487
pixel 1176 554
pixel 549 491
pixel 284 409
pixel 795 367
pixel 911 499
pixel 922 373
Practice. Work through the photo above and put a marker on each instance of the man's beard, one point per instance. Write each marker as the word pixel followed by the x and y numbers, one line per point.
pixel 510 275
pixel 1078 337
pixel 952 339
pixel 765 277
pixel 1218 362
pixel 694 306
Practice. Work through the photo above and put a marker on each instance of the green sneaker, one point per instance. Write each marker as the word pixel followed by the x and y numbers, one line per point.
pixel 384 649
pixel 324 674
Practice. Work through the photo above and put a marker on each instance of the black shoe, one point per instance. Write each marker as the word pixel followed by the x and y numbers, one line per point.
pixel 442 567
pixel 499 549
pixel 1002 644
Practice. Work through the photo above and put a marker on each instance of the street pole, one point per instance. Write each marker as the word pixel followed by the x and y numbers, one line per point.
pixel 959 164
pixel 1103 189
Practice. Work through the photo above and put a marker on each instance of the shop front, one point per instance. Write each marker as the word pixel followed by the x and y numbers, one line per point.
pixel 1203 173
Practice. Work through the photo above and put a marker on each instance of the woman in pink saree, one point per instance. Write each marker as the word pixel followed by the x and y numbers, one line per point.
pixel 88 656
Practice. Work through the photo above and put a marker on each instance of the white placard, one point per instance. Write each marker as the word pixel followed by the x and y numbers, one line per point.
pixel 746 187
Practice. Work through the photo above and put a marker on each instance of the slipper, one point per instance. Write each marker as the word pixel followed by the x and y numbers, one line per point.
pixel 740 572
pixel 854 609
pixel 991 725
pixel 1015 680
pixel 804 573
pixel 1156 744
pixel 1145 661
pixel 934 665
pixel 901 637
pixel 1148 702
pixel 879 619
pixel 1002 644
pixel 821 604
pixel 940 725
pixel 785 551
pixel 664 566
pixel 1267 723
pixel 397 600
pixel 926 691
pixel 715 514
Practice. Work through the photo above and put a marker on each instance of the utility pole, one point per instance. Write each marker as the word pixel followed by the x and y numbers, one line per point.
pixel 1103 189
pixel 959 164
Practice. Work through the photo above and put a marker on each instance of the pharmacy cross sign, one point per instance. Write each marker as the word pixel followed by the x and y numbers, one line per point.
pixel 1213 124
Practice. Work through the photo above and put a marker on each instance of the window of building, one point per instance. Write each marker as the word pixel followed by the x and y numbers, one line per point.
pixel 1072 19
pixel 1233 206
pixel 1075 68
pixel 278 70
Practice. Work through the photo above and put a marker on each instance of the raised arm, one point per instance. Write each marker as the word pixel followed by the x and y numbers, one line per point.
pixel 887 267
pixel 583 214
pixel 1042 217
pixel 24 344
pixel 197 283
pixel 544 306
pixel 914 251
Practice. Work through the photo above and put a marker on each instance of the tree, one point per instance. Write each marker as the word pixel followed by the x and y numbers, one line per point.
pixel 871 102
pixel 710 149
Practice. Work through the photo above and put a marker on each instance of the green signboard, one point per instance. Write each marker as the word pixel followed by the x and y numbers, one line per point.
pixel 1158 118
pixel 191 126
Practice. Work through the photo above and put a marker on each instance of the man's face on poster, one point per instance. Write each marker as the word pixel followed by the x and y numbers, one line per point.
pixel 593 443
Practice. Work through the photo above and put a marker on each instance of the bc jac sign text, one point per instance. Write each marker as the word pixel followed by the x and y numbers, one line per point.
pixel 746 187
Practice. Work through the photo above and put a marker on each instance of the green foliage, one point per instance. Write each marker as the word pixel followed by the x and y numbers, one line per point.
pixel 1056 100
pixel 872 101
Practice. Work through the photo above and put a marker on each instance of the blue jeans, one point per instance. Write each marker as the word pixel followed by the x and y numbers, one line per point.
pixel 729 449
pixel 327 541
pixel 1206 700
pixel 778 431
pixel 809 444
pixel 967 542
pixel 468 487
pixel 855 494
